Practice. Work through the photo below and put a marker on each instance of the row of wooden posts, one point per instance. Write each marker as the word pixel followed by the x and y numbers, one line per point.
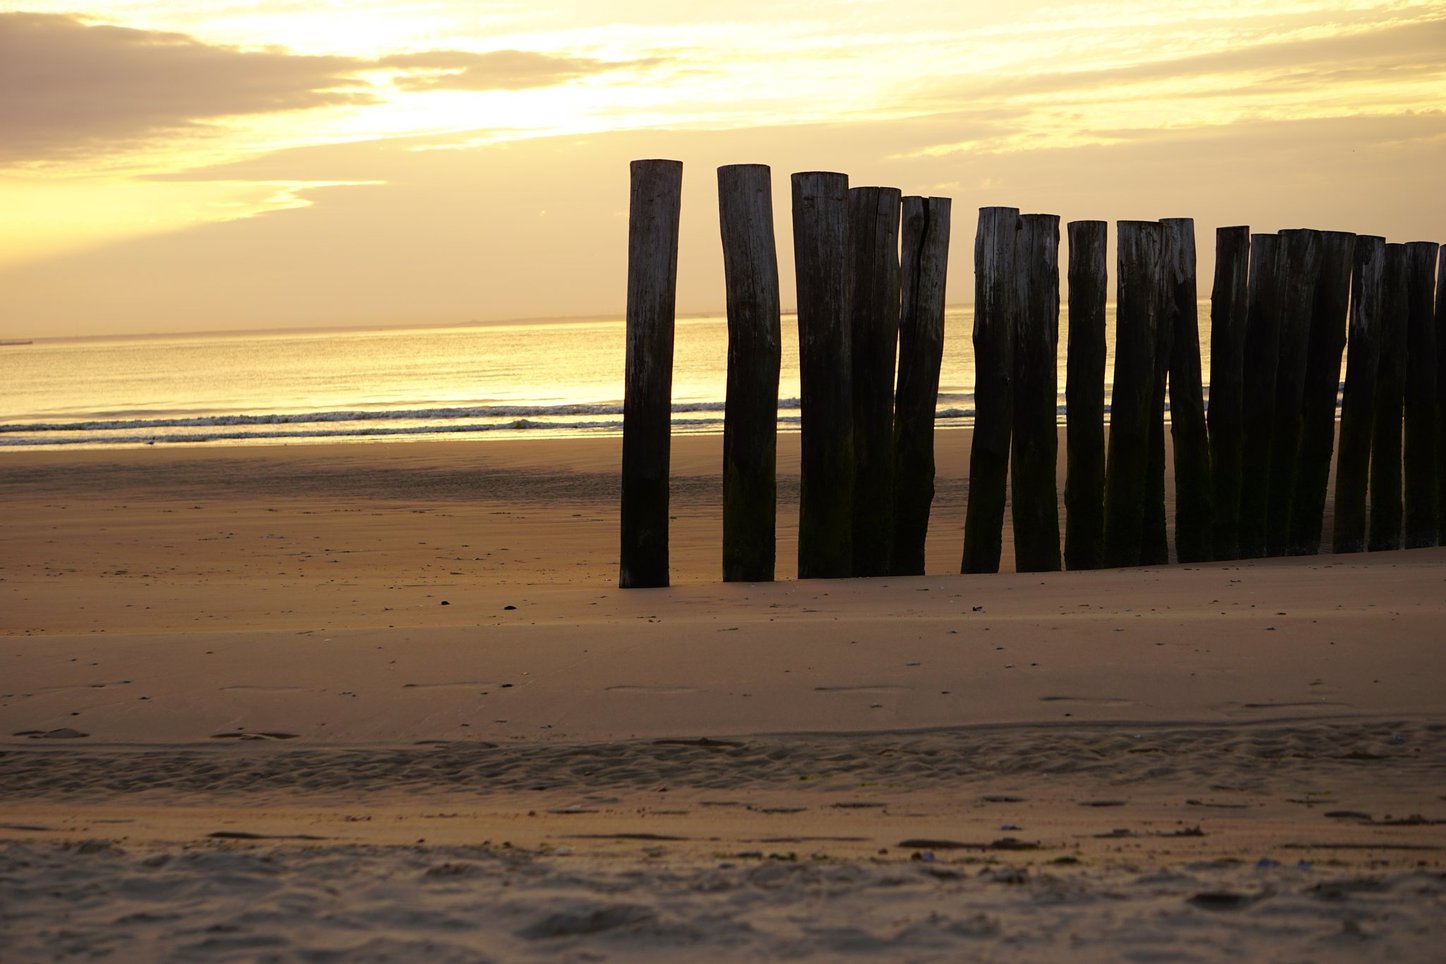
pixel 1251 470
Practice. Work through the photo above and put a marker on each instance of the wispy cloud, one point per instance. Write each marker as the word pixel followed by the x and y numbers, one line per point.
pixel 1265 71
pixel 73 88
pixel 492 70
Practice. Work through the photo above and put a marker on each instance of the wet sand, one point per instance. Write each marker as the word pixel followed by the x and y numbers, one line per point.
pixel 378 701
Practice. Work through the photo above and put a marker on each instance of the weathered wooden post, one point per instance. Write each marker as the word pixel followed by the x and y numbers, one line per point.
pixel 1262 349
pixel 1228 309
pixel 1084 388
pixel 826 470
pixel 1386 510
pixel 1194 513
pixel 1326 341
pixel 1421 417
pixel 750 421
pixel 1155 540
pixel 1035 450
pixel 874 309
pixel 1358 399
pixel 1299 272
pixel 995 307
pixel 1441 393
pixel 654 209
pixel 923 269
pixel 1137 321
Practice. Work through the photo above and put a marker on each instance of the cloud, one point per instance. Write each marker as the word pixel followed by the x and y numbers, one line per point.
pixel 76 88
pixel 493 70
pixel 1410 49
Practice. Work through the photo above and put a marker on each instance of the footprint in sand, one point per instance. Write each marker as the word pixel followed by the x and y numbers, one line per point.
pixel 651 690
pixel 880 688
pixel 1091 700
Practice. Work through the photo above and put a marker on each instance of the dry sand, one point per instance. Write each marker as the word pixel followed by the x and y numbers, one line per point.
pixel 383 702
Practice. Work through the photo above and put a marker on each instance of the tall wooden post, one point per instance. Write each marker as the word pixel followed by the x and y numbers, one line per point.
pixel 1262 349
pixel 1137 321
pixel 654 209
pixel 1327 339
pixel 924 269
pixel 1194 512
pixel 750 422
pixel 1228 308
pixel 1421 510
pixel 1441 393
pixel 1084 387
pixel 1386 508
pixel 1155 539
pixel 1035 450
pixel 874 307
pixel 826 471
pixel 1299 274
pixel 1358 398
pixel 995 306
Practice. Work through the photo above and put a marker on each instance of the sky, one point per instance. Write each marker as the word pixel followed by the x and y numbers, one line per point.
pixel 188 165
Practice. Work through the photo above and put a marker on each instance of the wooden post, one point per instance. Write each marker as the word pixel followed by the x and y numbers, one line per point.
pixel 1155 539
pixel 1084 388
pixel 826 471
pixel 995 306
pixel 1385 527
pixel 1035 450
pixel 874 307
pixel 924 266
pixel 750 421
pixel 1190 437
pixel 654 209
pixel 1358 398
pixel 1262 349
pixel 1137 320
pixel 1326 341
pixel 1228 310
pixel 1421 510
pixel 1299 272
pixel 1441 393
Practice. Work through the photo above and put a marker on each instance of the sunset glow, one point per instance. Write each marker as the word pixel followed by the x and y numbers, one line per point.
pixel 144 120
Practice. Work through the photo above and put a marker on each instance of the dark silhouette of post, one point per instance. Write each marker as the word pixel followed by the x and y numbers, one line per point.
pixel 1327 339
pixel 1385 489
pixel 1155 540
pixel 1262 349
pixel 1421 418
pixel 1139 251
pixel 1441 393
pixel 750 422
pixel 1190 438
pixel 923 269
pixel 654 208
pixel 1229 302
pixel 826 471
pixel 995 306
pixel 874 308
pixel 1299 273
pixel 1084 387
pixel 1035 448
pixel 1358 398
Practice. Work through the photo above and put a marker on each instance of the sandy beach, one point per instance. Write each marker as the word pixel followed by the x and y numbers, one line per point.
pixel 385 702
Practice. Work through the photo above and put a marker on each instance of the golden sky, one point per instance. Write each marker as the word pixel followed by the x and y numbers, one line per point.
pixel 202 164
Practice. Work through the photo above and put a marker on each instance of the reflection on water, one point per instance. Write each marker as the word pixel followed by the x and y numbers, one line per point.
pixel 483 381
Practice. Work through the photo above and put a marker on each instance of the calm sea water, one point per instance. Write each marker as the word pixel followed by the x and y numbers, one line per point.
pixel 482 381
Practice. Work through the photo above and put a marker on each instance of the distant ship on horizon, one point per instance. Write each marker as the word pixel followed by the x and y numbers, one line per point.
pixel 16 341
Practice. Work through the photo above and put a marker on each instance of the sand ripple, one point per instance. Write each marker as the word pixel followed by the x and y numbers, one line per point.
pixel 1246 756
pixel 482 903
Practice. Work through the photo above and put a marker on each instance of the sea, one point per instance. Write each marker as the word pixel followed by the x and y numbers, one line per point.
pixel 478 381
